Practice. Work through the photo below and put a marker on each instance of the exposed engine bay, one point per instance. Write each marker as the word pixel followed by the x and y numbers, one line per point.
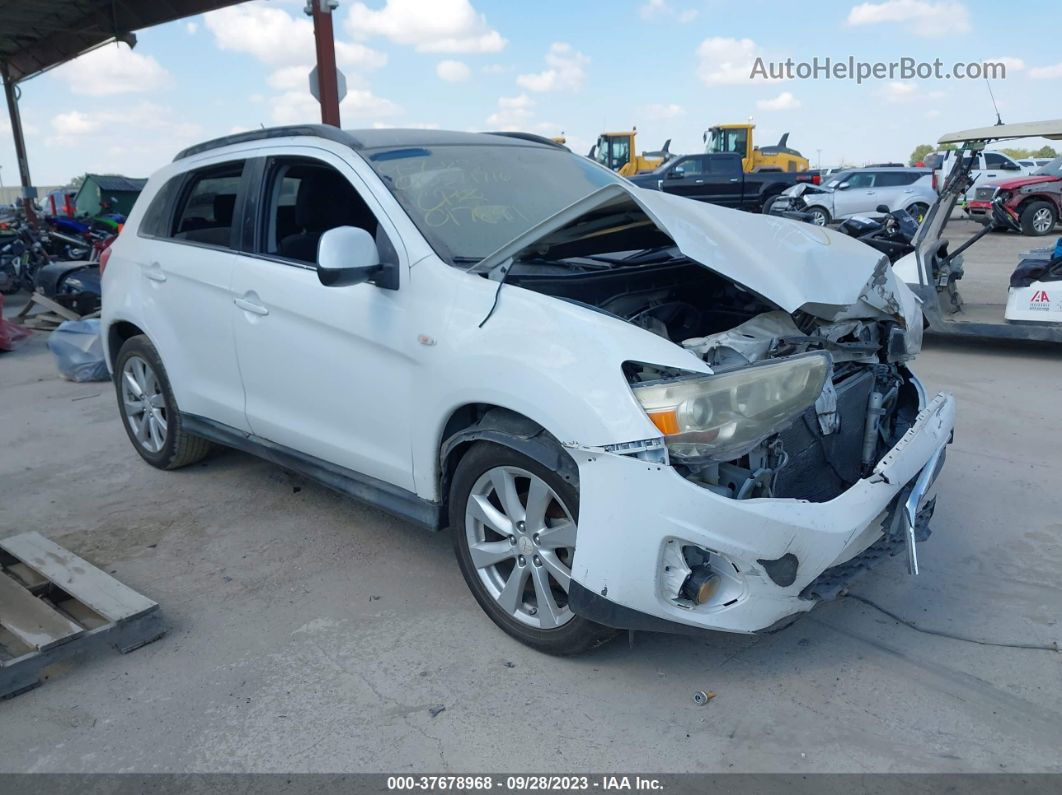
pixel 867 403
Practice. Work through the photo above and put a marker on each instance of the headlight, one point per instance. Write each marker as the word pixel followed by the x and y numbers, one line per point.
pixel 722 416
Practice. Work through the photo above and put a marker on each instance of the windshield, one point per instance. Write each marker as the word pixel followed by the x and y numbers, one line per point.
pixel 836 179
pixel 727 141
pixel 1052 169
pixel 468 201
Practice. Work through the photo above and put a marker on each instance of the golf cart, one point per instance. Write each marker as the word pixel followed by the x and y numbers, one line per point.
pixel 933 271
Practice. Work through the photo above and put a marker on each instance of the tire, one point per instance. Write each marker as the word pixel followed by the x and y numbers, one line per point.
pixel 1038 219
pixel 819 216
pixel 519 575
pixel 918 211
pixel 767 205
pixel 157 436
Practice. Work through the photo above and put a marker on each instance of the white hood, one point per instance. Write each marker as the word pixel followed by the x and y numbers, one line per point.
pixel 792 264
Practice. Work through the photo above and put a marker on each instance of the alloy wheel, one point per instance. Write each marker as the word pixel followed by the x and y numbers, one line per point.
pixel 818 218
pixel 1042 221
pixel 145 405
pixel 521 539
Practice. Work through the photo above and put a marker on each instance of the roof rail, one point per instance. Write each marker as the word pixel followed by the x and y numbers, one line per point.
pixel 316 130
pixel 524 136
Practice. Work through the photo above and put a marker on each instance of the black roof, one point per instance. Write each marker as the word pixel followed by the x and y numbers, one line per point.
pixel 373 139
pixel 116 182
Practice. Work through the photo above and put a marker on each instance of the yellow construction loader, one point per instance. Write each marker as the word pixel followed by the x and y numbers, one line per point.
pixel 737 139
pixel 616 150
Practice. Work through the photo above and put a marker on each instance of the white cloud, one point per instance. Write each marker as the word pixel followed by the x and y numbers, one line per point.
pixel 112 69
pixel 725 60
pixel 1012 64
pixel 275 37
pixel 933 114
pixel 784 101
pixel 1046 72
pixel 660 111
pixel 924 17
pixel 513 113
pixel 452 71
pixel 428 25
pixel 191 27
pixel 898 92
pixel 293 107
pixel 659 9
pixel 75 123
pixel 564 72
pixel 382 125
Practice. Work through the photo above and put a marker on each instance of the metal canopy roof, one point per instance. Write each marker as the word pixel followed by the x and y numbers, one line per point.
pixel 35 36
pixel 999 132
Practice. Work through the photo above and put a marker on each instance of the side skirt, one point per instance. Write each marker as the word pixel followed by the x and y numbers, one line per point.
pixel 386 496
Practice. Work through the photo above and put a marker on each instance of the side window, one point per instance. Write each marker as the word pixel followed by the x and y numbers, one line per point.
pixel 690 166
pixel 992 160
pixel 861 179
pixel 728 166
pixel 303 200
pixel 893 179
pixel 207 204
pixel 156 220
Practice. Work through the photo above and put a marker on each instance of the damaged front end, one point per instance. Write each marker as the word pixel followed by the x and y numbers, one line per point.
pixel 796 402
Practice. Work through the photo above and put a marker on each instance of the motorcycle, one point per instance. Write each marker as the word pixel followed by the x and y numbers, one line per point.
pixel 892 233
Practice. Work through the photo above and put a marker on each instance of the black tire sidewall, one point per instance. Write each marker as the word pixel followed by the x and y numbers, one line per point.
pixel 141 346
pixel 1027 216
pixel 825 216
pixel 578 634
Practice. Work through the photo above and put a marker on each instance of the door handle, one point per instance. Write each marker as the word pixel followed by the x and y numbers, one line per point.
pixel 154 272
pixel 699 181
pixel 735 179
pixel 250 305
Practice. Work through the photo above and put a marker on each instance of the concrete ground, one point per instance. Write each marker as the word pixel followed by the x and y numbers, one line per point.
pixel 309 633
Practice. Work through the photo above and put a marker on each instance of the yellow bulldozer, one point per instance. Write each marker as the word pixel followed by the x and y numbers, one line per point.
pixel 616 150
pixel 737 139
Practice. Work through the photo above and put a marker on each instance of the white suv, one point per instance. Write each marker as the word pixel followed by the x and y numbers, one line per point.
pixel 633 410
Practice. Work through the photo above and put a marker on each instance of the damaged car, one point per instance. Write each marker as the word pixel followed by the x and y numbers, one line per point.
pixel 632 410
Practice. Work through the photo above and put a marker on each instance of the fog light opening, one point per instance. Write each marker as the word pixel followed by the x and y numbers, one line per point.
pixel 701 585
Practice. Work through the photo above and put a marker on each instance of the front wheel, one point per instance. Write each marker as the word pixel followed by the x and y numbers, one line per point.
pixel 819 216
pixel 514 525
pixel 1038 219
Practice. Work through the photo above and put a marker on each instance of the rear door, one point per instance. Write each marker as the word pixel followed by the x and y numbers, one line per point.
pixel 724 181
pixel 187 275
pixel 326 370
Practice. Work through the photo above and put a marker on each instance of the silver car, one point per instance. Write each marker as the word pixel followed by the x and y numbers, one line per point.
pixel 862 190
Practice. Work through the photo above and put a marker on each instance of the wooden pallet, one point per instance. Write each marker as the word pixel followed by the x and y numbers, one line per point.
pixel 52 313
pixel 54 605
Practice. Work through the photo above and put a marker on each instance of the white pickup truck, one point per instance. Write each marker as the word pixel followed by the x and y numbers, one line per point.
pixel 989 166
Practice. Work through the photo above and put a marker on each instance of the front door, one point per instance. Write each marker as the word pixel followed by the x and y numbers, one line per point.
pixel 324 369
pixel 859 195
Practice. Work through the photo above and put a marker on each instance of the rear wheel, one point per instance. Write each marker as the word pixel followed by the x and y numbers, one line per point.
pixel 1038 218
pixel 514 531
pixel 819 216
pixel 918 211
pixel 149 410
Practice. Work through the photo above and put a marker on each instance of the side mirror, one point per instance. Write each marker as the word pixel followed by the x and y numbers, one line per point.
pixel 883 208
pixel 843 186
pixel 347 255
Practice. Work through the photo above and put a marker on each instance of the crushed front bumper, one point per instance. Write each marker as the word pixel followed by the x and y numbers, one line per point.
pixel 631 510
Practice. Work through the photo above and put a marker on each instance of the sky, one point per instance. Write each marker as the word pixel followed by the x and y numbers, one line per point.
pixel 672 68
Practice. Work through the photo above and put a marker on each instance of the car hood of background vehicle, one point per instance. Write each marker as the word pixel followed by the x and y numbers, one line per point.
pixel 1021 182
pixel 792 264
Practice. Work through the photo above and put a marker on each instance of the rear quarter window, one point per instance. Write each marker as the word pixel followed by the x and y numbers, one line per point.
pixel 156 220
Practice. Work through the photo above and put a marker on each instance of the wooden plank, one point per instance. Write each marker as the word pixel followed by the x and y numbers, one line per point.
pixel 27 576
pixel 30 620
pixel 79 578
pixel 55 306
